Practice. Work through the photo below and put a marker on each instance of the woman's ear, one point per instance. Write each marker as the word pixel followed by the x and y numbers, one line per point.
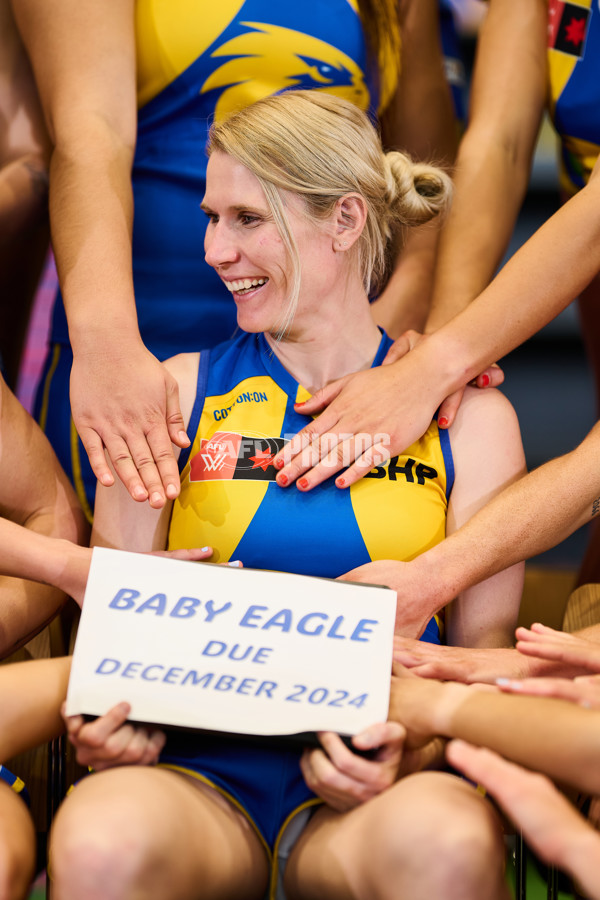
pixel 349 221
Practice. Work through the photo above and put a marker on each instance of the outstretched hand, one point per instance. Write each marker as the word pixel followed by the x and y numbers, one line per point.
pixel 467 664
pixel 552 827
pixel 584 690
pixel 110 741
pixel 367 418
pixel 127 403
pixel 544 642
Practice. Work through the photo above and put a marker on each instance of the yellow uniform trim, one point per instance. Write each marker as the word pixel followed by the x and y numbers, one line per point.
pixel 47 383
pixel 77 477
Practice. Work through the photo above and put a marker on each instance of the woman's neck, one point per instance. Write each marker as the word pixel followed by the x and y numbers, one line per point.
pixel 328 346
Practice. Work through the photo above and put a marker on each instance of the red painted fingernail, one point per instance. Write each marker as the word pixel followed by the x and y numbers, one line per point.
pixel 341 482
pixel 485 380
pixel 443 422
pixel 303 483
pixel 282 480
pixel 279 464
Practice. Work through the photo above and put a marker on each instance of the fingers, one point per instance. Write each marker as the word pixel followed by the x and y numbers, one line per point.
pixel 449 408
pixel 484 766
pixel 175 423
pixel 344 779
pixel 322 398
pixel 95 450
pixel 399 348
pixel 583 691
pixel 385 737
pixel 98 731
pixel 194 554
pixel 110 741
pixel 375 456
pixel 318 456
pixel 492 377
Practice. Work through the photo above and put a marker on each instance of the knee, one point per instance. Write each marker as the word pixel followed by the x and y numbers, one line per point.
pixel 440 839
pixel 17 846
pixel 96 858
pixel 17 864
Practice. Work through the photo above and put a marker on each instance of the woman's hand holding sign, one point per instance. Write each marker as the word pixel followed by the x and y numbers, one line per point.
pixel 345 780
pixel 111 741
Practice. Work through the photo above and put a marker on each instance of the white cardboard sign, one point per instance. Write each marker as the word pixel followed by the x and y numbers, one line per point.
pixel 236 650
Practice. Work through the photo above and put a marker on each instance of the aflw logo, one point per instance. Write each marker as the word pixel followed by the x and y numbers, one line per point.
pixel 213 463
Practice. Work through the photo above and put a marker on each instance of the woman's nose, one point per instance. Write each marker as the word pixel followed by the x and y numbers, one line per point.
pixel 219 248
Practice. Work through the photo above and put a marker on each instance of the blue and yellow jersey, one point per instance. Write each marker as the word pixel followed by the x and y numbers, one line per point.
pixel 574 89
pixel 229 499
pixel 196 62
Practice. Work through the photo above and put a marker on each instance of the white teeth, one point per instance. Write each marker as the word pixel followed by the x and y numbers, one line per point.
pixel 244 284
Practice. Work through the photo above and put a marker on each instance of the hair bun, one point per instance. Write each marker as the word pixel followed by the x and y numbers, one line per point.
pixel 417 192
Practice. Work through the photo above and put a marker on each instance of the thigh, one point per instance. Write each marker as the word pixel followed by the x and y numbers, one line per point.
pixel 428 831
pixel 145 831
pixel 17 844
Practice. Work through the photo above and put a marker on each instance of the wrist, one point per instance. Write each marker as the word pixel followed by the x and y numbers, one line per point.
pixel 116 333
pixel 450 698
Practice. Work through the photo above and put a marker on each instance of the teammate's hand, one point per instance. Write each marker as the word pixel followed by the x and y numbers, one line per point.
pixel 125 402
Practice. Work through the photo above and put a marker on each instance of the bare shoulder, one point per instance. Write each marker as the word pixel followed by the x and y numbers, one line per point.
pixel 486 409
pixel 486 443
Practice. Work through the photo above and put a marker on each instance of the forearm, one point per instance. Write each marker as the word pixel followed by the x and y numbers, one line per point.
pixel 32 693
pixel 555 737
pixel 492 170
pixel 24 553
pixel 489 189
pixel 91 212
pixel 532 515
pixel 537 283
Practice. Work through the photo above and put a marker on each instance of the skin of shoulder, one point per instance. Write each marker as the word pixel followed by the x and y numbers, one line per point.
pixel 488 455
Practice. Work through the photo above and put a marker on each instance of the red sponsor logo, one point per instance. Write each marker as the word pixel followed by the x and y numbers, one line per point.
pixel 217 458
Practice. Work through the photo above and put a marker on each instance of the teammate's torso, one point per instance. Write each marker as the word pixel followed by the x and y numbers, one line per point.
pixel 198 61
pixel 574 73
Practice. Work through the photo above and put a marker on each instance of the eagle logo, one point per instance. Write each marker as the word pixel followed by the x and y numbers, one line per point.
pixel 271 59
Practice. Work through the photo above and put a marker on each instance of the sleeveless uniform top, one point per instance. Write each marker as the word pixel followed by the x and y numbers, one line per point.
pixel 229 499
pixel 574 73
pixel 198 61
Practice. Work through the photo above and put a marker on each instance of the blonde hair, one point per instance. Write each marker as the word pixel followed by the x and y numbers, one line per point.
pixel 321 148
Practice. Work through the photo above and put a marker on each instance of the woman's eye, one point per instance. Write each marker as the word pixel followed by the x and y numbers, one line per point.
pixel 249 219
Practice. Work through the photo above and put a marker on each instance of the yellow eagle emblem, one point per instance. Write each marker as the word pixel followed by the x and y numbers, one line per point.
pixel 271 59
